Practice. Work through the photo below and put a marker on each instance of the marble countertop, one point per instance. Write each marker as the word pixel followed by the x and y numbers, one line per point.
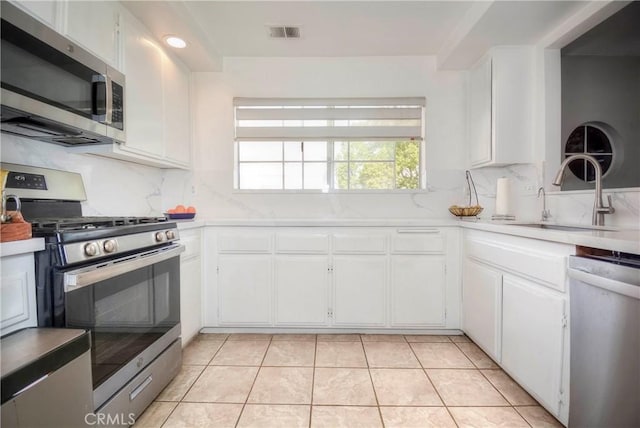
pixel 624 240
pixel 620 239
pixel 13 248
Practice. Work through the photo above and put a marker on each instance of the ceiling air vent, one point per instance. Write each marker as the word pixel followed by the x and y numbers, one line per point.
pixel 282 32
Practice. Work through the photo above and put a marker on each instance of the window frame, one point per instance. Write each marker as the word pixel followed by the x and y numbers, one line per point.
pixel 330 162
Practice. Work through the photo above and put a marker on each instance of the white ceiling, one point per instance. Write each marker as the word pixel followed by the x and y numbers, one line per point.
pixel 457 31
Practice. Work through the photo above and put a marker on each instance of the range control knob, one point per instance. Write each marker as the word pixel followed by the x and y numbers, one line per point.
pixel 91 249
pixel 109 245
pixel 160 237
pixel 170 234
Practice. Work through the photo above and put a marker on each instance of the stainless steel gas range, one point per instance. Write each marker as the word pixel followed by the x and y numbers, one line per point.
pixel 118 277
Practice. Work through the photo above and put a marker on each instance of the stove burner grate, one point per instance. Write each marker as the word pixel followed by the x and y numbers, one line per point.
pixel 51 225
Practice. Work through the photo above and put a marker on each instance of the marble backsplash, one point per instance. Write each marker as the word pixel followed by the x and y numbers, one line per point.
pixel 444 188
pixel 122 188
pixel 113 187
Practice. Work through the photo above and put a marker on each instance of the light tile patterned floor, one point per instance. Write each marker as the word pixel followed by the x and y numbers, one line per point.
pixel 345 380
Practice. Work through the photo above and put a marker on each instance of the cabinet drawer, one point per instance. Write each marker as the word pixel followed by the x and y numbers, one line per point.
pixel 360 243
pixel 541 261
pixel 259 243
pixel 191 246
pixel 303 243
pixel 417 241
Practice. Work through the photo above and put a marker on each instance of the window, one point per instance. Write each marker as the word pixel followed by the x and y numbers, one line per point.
pixel 591 140
pixel 328 144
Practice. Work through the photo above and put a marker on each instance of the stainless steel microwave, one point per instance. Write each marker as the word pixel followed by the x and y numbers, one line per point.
pixel 52 89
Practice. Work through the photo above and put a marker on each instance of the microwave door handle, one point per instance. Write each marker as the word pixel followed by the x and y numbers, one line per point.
pixel 96 81
pixel 83 277
pixel 109 100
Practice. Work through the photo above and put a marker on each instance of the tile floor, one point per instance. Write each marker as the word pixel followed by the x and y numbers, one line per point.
pixel 341 380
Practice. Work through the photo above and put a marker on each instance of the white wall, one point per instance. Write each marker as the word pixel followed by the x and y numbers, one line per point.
pixel 113 187
pixel 322 77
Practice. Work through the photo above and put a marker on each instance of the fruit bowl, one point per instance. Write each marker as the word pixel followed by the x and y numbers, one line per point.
pixel 179 216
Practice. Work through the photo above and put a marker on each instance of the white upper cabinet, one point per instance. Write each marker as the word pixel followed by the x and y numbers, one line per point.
pixel 45 11
pixel 501 107
pixel 143 68
pixel 94 25
pixel 177 129
pixel 157 103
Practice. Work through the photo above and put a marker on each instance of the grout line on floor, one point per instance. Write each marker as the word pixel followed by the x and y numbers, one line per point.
pixel 254 382
pixel 313 380
pixel 433 385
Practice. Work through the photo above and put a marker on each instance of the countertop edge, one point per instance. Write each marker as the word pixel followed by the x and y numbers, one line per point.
pixel 624 240
pixel 24 246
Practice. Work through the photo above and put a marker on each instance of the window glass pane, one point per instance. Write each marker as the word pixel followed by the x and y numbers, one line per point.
pixel 341 175
pixel 340 122
pixel 316 122
pixel 293 175
pixel 384 122
pixel 408 165
pixel 371 175
pixel 371 150
pixel 315 150
pixel 341 150
pixel 260 151
pixel 260 176
pixel 315 175
pixel 292 122
pixel 292 151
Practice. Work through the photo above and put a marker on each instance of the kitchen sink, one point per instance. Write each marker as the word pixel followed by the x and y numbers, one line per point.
pixel 567 228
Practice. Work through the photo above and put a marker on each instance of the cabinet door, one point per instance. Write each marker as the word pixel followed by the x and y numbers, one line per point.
pixel 480 120
pixel 418 290
pixel 17 293
pixel 94 26
pixel 177 129
pixel 359 290
pixel 301 284
pixel 481 306
pixel 143 59
pixel 190 297
pixel 244 289
pixel 44 11
pixel 532 338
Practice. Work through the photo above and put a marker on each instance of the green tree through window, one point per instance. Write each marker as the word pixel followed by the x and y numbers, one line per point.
pixel 377 165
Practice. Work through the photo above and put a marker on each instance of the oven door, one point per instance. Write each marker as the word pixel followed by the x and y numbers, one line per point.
pixel 132 307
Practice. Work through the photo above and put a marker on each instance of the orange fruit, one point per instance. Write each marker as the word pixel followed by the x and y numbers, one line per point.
pixel 191 210
pixel 180 209
pixel 171 211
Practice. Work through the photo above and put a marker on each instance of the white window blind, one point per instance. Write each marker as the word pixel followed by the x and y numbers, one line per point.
pixel 324 119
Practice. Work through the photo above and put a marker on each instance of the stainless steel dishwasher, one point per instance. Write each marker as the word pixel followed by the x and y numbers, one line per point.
pixel 605 341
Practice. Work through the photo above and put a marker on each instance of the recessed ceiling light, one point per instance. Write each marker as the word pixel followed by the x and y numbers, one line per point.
pixel 175 42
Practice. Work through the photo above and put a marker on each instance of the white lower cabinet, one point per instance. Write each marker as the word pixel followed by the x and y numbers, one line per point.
pixel 301 289
pixel 359 284
pixel 190 285
pixel 532 338
pixel 515 308
pixel 325 277
pixel 482 306
pixel 418 294
pixel 17 292
pixel 244 289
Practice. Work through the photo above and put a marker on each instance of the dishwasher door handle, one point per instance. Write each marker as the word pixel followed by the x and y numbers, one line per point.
pixel 614 286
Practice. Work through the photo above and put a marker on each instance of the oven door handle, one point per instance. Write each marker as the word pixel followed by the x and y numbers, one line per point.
pixel 79 278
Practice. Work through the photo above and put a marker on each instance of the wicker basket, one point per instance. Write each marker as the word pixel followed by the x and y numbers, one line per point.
pixel 465 211
pixel 469 210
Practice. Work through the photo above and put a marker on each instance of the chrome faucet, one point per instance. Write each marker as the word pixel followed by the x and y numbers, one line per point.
pixel 599 210
pixel 545 212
